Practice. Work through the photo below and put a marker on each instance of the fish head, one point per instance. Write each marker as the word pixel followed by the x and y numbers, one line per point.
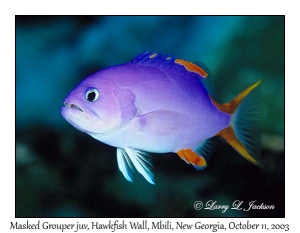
pixel 99 105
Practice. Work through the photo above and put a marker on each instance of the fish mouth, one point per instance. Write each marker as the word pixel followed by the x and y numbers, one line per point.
pixel 74 106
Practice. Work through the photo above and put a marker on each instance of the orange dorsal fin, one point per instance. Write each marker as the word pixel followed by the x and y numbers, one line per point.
pixel 192 67
pixel 192 157
pixel 229 135
pixel 233 104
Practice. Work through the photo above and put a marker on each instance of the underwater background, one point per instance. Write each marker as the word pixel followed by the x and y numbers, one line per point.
pixel 62 172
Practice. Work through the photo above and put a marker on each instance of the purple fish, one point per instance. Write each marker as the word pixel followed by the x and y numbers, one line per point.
pixel 157 103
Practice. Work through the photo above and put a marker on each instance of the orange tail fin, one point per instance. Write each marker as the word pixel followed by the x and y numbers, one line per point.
pixel 243 133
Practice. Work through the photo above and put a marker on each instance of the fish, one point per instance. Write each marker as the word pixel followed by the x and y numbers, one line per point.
pixel 157 103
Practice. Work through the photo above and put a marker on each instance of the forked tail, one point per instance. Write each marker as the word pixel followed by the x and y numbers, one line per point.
pixel 243 133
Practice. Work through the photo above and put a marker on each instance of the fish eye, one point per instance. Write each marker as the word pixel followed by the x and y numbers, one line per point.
pixel 92 95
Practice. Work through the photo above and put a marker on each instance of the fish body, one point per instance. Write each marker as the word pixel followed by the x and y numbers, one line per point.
pixel 158 104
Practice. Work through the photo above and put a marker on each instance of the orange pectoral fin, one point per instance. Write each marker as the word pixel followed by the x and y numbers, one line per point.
pixel 229 136
pixel 192 157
